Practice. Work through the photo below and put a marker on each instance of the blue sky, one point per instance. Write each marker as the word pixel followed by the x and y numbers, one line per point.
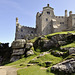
pixel 26 11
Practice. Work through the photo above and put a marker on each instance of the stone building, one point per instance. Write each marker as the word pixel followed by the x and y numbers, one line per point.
pixel 46 23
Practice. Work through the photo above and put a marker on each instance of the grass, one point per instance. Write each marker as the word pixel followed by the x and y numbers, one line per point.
pixel 69 45
pixel 33 70
pixel 24 61
pixel 48 57
pixel 33 40
pixel 63 32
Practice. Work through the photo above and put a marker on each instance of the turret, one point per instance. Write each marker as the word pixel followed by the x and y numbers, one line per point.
pixel 16 19
pixel 70 13
pixel 65 13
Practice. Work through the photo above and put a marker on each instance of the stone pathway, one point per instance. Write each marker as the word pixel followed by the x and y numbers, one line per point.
pixel 8 70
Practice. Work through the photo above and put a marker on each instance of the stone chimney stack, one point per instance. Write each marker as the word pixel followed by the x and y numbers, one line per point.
pixel 16 19
pixel 65 13
pixel 47 5
pixel 70 13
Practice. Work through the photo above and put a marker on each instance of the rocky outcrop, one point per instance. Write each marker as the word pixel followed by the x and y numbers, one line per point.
pixel 18 49
pixel 30 52
pixel 29 45
pixel 19 43
pixel 54 41
pixel 20 46
pixel 71 50
pixel 67 66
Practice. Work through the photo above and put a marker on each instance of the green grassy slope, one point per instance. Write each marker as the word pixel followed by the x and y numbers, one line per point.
pixel 35 69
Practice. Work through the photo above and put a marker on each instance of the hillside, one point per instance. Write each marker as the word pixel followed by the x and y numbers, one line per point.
pixel 45 55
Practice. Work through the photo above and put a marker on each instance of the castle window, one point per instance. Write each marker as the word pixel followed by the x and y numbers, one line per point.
pixel 31 31
pixel 46 19
pixel 48 12
pixel 21 36
pixel 61 22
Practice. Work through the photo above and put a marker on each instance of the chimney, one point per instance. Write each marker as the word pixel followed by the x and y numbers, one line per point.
pixel 70 13
pixel 47 5
pixel 17 19
pixel 65 13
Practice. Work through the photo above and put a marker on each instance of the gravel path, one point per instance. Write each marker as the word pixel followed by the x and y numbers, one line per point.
pixel 8 70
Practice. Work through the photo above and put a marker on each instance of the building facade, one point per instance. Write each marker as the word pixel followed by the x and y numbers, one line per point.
pixel 46 23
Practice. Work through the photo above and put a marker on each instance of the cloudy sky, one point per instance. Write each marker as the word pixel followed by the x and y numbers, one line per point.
pixel 26 11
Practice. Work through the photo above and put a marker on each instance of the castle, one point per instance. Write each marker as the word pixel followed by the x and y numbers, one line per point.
pixel 46 23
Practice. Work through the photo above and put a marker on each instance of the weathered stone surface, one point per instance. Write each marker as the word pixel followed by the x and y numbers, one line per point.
pixel 29 45
pixel 48 43
pixel 18 51
pixel 66 49
pixel 15 58
pixel 61 42
pixel 57 53
pixel 67 66
pixel 19 43
pixel 44 53
pixel 30 52
pixel 72 51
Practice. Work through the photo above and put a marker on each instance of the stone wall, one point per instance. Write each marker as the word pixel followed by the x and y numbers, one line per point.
pixel 22 31
pixel 60 24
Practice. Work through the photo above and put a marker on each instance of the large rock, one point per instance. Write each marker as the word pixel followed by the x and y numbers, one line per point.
pixel 72 51
pixel 30 52
pixel 19 43
pixel 18 51
pixel 29 45
pixel 67 66
pixel 61 43
pixel 48 43
pixel 15 58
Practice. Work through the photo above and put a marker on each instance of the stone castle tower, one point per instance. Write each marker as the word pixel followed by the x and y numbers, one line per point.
pixel 46 23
